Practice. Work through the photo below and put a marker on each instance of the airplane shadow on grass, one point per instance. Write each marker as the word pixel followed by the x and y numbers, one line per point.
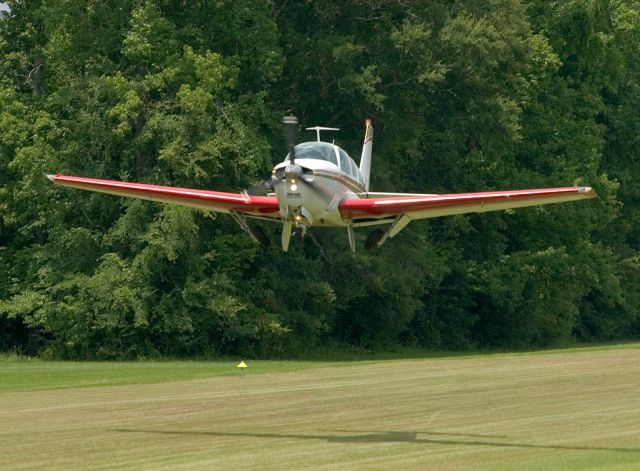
pixel 358 436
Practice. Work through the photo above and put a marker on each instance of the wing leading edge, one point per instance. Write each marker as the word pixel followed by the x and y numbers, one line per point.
pixel 429 206
pixel 252 206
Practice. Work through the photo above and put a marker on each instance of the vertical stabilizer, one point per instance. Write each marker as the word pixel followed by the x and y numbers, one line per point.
pixel 365 159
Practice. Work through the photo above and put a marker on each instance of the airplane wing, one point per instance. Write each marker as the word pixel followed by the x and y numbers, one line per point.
pixel 252 206
pixel 429 206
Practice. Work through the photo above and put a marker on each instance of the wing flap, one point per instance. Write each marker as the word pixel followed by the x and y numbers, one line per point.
pixel 261 206
pixel 428 206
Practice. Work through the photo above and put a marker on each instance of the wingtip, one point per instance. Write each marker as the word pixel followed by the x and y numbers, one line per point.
pixel 50 176
pixel 587 191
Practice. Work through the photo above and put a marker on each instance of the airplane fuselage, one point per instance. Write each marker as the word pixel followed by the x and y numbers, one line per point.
pixel 329 176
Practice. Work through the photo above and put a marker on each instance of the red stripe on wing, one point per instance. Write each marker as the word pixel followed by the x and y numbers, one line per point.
pixel 458 203
pixel 203 199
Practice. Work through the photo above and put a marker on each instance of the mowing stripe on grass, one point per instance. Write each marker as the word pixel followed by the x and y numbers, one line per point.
pixel 560 410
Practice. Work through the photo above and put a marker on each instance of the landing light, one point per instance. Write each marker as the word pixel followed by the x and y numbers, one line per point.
pixel 294 187
pixel 298 218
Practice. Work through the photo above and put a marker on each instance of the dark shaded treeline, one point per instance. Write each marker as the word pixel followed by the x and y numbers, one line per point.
pixel 466 96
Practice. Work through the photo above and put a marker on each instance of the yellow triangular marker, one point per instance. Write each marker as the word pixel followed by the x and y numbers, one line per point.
pixel 242 364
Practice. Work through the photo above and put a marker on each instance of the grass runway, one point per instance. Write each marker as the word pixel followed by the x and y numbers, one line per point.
pixel 563 409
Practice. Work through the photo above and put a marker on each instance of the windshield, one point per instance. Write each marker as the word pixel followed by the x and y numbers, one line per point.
pixel 327 152
pixel 316 150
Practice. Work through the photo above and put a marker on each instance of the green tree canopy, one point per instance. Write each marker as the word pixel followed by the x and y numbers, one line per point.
pixel 465 96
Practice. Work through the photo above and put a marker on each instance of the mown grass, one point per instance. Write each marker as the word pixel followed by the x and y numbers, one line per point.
pixel 32 374
pixel 561 409
pixel 20 373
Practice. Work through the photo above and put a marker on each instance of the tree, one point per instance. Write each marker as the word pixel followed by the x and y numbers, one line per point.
pixel 465 96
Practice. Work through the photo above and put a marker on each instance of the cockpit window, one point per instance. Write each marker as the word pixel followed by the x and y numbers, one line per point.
pixel 316 150
pixel 326 151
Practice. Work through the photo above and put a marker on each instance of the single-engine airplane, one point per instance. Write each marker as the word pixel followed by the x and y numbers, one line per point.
pixel 318 184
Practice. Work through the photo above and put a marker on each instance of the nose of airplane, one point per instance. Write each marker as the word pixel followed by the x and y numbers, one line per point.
pixel 293 173
pixel 294 194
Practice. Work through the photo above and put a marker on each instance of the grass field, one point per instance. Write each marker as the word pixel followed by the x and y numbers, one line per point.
pixel 565 409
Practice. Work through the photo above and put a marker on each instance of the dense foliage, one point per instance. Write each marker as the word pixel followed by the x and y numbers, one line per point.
pixel 467 95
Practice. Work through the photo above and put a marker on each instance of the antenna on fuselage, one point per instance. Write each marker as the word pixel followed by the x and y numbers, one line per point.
pixel 317 129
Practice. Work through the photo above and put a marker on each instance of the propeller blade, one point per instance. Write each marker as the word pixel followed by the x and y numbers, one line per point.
pixel 287 227
pixel 264 188
pixel 294 171
pixel 290 135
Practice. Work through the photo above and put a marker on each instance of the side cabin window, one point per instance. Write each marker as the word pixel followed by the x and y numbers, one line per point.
pixel 354 169
pixel 344 162
pixel 349 166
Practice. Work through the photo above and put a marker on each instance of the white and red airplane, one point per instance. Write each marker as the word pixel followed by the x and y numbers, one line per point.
pixel 319 185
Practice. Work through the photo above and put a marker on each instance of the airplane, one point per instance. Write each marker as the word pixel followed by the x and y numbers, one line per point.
pixel 319 185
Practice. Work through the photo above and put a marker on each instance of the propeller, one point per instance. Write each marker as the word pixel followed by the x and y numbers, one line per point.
pixel 292 172
pixel 264 188
pixel 290 133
